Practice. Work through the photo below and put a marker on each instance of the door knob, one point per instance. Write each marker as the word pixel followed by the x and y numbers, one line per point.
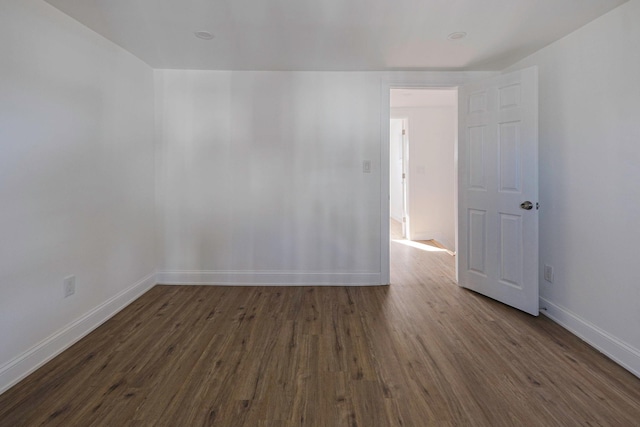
pixel 526 205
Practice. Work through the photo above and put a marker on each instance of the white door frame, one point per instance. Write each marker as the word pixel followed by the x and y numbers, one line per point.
pixel 406 227
pixel 404 152
pixel 423 80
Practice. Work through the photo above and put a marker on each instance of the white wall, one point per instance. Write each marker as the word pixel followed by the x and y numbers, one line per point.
pixel 432 138
pixel 76 181
pixel 589 181
pixel 261 173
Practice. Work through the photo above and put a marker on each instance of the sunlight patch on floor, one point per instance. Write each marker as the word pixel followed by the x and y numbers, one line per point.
pixel 419 245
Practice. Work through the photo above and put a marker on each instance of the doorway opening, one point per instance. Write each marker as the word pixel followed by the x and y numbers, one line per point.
pixel 422 168
pixel 495 183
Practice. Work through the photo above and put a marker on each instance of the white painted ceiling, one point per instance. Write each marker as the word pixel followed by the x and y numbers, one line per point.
pixel 334 34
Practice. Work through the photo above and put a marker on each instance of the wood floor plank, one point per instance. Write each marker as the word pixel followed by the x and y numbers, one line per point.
pixel 421 352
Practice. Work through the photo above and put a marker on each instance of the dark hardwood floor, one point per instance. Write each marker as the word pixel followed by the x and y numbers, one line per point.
pixel 418 353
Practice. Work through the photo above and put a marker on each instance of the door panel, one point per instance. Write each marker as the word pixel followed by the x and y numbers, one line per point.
pixel 498 170
pixel 510 157
pixel 477 241
pixel 477 170
pixel 510 250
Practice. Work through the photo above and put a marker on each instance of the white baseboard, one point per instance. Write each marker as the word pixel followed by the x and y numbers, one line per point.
pixel 24 364
pixel 267 278
pixel 431 235
pixel 620 352
pixel 434 235
pixel 423 236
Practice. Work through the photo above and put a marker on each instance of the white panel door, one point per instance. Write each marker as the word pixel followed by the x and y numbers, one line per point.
pixel 498 188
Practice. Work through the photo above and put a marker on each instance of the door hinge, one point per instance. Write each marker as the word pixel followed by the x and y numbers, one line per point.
pixel 403 176
pixel 404 219
pixel 404 132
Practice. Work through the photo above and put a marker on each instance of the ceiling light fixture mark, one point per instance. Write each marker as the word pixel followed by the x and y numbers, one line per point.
pixel 458 35
pixel 204 35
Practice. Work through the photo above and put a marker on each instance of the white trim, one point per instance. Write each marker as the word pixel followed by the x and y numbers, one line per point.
pixel 617 350
pixel 267 278
pixel 24 364
pixel 385 190
pixel 427 235
pixel 438 236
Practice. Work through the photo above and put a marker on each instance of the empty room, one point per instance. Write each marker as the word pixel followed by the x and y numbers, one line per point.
pixel 217 212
